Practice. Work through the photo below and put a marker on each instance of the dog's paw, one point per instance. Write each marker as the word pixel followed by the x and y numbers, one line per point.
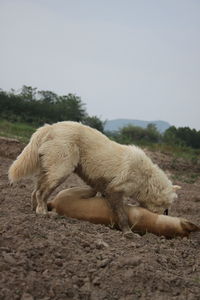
pixel 41 210
pixel 131 235
pixel 128 235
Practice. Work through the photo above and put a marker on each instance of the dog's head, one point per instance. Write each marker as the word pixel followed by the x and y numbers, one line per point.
pixel 162 204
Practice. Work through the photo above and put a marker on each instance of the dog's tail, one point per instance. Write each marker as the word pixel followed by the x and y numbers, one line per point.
pixel 27 162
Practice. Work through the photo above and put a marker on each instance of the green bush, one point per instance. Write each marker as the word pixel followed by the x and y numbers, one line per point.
pixel 182 136
pixel 137 135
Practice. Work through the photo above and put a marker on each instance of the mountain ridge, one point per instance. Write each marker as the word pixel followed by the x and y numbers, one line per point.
pixel 116 124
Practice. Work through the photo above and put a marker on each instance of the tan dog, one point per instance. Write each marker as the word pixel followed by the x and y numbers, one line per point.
pixel 79 203
pixel 117 171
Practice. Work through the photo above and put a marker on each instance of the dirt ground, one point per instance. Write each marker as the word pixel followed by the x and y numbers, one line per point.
pixel 60 258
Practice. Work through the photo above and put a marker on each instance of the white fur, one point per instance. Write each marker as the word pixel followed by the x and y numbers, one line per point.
pixel 60 148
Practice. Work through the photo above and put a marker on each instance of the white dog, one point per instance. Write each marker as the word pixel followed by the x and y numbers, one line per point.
pixel 117 171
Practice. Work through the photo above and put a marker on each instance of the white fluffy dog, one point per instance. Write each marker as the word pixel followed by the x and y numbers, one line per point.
pixel 117 171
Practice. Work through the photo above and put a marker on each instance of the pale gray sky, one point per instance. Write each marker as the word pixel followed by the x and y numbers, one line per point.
pixel 136 59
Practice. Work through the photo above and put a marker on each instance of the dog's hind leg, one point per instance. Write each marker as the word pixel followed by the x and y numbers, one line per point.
pixel 57 163
pixel 45 187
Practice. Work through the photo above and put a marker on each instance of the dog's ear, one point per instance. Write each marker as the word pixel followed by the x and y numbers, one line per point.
pixel 176 187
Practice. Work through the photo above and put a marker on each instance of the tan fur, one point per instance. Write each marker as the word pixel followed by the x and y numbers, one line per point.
pixel 79 203
pixel 118 171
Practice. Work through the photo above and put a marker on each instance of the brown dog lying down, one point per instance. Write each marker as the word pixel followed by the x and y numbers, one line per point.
pixel 79 203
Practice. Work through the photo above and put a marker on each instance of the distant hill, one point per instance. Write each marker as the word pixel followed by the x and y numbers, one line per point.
pixel 116 124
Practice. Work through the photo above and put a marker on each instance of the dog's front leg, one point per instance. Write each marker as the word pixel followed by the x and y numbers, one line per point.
pixel 115 201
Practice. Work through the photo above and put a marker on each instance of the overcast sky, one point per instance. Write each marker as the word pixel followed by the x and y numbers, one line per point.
pixel 124 58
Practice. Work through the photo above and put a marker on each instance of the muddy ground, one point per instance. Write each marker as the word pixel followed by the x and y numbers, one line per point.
pixel 61 258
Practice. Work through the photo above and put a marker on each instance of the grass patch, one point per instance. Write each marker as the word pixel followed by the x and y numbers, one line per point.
pixel 188 178
pixel 20 131
pixel 185 153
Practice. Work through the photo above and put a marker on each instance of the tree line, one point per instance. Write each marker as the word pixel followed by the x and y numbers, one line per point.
pixel 182 136
pixel 38 107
